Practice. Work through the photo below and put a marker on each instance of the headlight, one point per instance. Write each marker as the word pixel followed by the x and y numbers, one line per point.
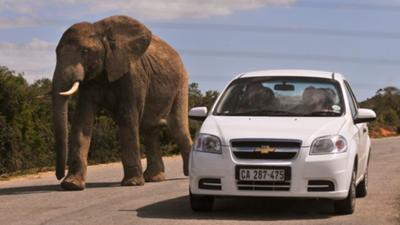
pixel 328 145
pixel 207 143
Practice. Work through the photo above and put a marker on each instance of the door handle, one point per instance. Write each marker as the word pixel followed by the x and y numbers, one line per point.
pixel 364 130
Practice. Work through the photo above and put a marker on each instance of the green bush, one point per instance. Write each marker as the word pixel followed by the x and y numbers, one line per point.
pixel 387 108
pixel 104 146
pixel 25 124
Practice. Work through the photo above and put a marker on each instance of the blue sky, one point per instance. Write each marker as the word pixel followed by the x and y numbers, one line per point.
pixel 219 39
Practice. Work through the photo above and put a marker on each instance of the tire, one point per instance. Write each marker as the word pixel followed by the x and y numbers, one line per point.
pixel 201 203
pixel 347 205
pixel 362 187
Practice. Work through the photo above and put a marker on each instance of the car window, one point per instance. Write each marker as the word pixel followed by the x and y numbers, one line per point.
pixel 281 96
pixel 352 101
pixel 353 96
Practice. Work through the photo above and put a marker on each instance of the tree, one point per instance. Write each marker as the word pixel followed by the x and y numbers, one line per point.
pixel 387 107
pixel 24 123
pixel 390 90
pixel 391 117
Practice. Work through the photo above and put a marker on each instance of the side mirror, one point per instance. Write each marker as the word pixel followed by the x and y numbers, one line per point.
pixel 198 113
pixel 365 115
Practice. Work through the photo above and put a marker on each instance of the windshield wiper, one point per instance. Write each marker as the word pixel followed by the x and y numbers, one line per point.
pixel 325 113
pixel 279 113
pixel 259 113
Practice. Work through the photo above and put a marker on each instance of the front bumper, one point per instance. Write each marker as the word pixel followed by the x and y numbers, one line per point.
pixel 335 168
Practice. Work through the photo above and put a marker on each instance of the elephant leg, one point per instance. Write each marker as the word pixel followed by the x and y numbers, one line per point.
pixel 178 124
pixel 129 137
pixel 81 133
pixel 155 166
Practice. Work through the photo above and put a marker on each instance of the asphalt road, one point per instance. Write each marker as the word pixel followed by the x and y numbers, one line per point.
pixel 37 199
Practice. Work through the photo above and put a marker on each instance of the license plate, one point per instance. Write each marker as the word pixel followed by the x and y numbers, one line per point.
pixel 247 174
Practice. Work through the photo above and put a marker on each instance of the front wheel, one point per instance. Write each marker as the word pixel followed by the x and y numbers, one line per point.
pixel 362 187
pixel 201 203
pixel 347 205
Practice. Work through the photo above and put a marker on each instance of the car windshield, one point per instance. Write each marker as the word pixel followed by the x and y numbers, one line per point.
pixel 281 96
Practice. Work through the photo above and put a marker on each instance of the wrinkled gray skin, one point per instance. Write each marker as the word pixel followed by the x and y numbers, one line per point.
pixel 133 74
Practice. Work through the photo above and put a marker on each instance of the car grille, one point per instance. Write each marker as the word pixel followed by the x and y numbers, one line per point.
pixel 275 149
pixel 263 185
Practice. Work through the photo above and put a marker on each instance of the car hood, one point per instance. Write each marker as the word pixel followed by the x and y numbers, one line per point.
pixel 305 129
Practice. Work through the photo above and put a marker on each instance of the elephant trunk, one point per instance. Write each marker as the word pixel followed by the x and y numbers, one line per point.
pixel 60 118
pixel 65 83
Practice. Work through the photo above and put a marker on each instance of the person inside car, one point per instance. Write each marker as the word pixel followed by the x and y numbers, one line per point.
pixel 258 98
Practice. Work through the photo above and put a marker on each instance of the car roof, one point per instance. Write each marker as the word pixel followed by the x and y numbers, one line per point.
pixel 292 73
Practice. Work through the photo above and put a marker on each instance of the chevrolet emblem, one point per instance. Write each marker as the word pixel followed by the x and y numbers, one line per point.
pixel 265 149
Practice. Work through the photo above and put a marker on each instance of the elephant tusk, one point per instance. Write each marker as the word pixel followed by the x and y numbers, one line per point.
pixel 71 91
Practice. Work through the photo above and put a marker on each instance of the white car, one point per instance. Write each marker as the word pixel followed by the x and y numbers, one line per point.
pixel 282 133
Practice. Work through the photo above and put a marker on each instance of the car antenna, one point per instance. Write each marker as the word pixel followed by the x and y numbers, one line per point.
pixel 333 75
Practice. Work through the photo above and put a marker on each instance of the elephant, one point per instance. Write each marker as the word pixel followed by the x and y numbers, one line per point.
pixel 118 65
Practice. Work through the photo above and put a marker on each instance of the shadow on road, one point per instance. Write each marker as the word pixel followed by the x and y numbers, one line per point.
pixel 240 209
pixel 56 187
pixel 50 188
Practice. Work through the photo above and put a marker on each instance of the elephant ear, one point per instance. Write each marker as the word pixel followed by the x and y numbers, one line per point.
pixel 125 40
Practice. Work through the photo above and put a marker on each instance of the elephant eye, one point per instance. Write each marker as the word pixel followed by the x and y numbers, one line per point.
pixel 85 50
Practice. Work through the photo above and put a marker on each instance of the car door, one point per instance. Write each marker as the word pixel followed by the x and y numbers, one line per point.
pixel 362 133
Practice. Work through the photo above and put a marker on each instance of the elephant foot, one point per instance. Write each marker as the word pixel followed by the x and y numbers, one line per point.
pixel 153 177
pixel 71 183
pixel 134 181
